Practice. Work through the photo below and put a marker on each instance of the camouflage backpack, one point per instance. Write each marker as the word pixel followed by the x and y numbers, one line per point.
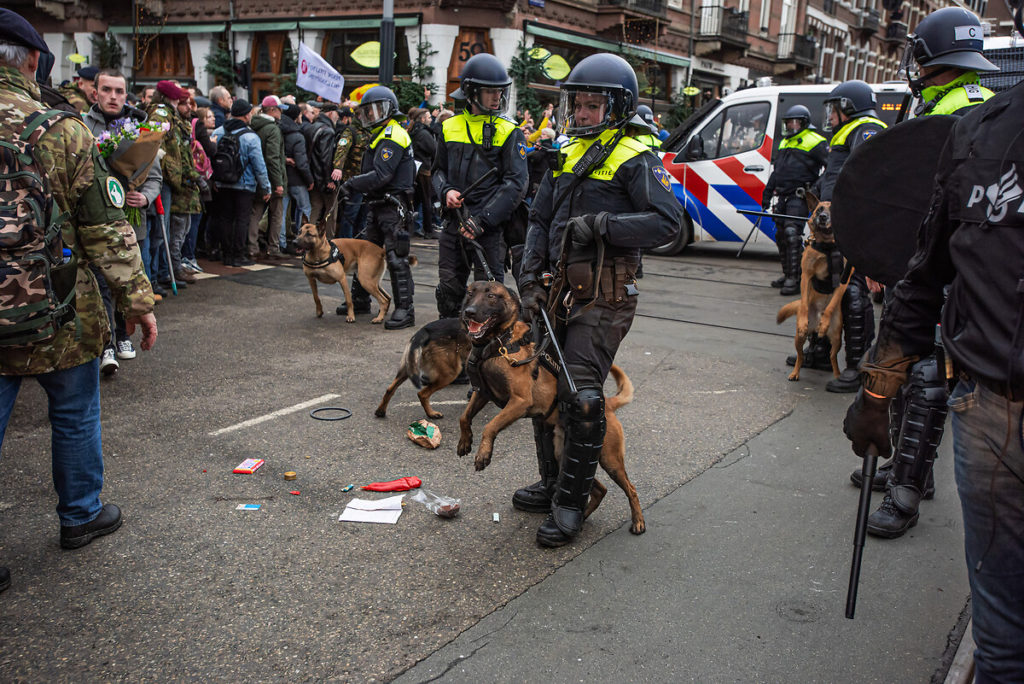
pixel 37 282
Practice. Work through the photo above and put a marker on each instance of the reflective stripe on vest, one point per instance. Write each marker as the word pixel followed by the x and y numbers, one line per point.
pixel 626 149
pixel 850 126
pixel 454 129
pixel 395 134
pixel 805 141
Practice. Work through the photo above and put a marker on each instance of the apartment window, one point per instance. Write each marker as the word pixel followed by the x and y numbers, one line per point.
pixel 766 15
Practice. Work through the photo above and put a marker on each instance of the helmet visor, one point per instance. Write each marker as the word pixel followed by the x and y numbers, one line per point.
pixel 830 116
pixel 373 113
pixel 584 112
pixel 910 68
pixel 491 100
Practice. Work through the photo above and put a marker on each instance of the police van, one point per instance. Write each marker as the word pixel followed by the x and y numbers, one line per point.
pixel 720 157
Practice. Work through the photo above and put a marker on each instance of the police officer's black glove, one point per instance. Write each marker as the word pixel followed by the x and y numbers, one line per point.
pixel 588 229
pixel 766 202
pixel 867 422
pixel 471 228
pixel 534 297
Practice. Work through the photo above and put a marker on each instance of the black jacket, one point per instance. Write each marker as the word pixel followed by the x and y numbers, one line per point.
pixel 795 168
pixel 388 166
pixel 636 191
pixel 424 144
pixel 973 239
pixel 295 149
pixel 838 154
pixel 321 139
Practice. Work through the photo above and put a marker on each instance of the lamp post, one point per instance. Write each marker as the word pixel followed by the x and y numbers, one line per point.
pixel 386 70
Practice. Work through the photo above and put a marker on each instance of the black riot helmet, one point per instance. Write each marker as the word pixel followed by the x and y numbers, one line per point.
pixel 483 71
pixel 949 38
pixel 852 98
pixel 377 106
pixel 646 115
pixel 798 112
pixel 607 85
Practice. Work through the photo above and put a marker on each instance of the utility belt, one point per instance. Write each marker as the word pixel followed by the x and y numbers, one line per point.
pixel 400 200
pixel 613 281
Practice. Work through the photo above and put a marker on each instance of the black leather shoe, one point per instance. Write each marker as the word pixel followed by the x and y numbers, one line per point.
pixel 535 498
pixel 889 522
pixel 360 307
pixel 401 318
pixel 550 535
pixel 847 382
pixel 881 475
pixel 777 283
pixel 244 261
pixel 77 536
pixel 5 578
pixel 166 284
pixel 811 361
pixel 159 290
pixel 790 287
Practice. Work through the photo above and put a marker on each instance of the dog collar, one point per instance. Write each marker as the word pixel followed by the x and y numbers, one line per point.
pixel 333 257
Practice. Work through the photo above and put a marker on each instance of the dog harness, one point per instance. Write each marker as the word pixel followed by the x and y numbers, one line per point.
pixel 333 257
pixel 835 268
pixel 503 345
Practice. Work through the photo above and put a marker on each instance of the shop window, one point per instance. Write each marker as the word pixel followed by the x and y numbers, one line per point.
pixel 165 57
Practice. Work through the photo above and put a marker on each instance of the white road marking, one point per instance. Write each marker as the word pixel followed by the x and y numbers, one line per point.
pixel 452 402
pixel 275 414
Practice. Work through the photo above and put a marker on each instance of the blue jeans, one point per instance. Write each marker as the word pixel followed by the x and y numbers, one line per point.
pixel 188 249
pixel 300 196
pixel 987 444
pixel 353 218
pixel 159 227
pixel 75 439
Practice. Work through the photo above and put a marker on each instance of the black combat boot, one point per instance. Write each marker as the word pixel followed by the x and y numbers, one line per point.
pixel 536 498
pixel 878 482
pixel 817 354
pixel 360 299
pixel 404 315
pixel 858 334
pixel 791 266
pixel 584 437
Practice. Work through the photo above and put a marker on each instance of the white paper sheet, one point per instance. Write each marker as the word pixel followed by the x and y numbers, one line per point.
pixel 380 511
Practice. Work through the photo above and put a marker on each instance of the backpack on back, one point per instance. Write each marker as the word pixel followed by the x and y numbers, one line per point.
pixel 37 282
pixel 227 160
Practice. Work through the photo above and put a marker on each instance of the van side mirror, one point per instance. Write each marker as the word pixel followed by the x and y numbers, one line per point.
pixel 694 150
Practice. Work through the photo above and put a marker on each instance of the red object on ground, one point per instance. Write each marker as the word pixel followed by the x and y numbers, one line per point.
pixel 296 493
pixel 402 484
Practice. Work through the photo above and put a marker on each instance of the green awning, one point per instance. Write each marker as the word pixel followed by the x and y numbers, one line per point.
pixel 608 45
pixel 264 26
pixel 360 23
pixel 172 28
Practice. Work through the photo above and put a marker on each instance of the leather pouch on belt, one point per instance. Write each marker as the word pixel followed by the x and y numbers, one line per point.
pixel 581 279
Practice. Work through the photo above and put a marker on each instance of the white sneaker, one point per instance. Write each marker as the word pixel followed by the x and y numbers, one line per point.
pixel 108 364
pixel 125 350
pixel 191 263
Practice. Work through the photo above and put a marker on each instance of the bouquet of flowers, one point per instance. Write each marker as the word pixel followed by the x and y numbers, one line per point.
pixel 130 149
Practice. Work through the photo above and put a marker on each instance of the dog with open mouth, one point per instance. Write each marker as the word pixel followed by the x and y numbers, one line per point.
pixel 506 368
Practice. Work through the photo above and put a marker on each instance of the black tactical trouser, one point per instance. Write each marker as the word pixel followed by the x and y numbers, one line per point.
pixel 858 320
pixel 456 258
pixel 789 235
pixel 387 228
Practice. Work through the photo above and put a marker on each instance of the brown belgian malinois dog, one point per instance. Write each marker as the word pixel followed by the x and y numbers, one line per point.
pixel 817 311
pixel 329 261
pixel 525 386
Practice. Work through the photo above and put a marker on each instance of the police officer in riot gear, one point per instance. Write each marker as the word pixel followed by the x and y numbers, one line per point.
pixel 609 198
pixel 850 111
pixel 475 142
pixel 386 182
pixel 798 163
pixel 941 62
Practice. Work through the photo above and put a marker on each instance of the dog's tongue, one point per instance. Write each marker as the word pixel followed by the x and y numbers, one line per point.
pixel 474 327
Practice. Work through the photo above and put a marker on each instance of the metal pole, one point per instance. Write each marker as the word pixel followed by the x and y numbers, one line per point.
pixel 386 70
pixel 689 67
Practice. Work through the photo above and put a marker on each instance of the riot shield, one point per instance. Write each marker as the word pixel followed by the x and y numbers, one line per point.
pixel 883 193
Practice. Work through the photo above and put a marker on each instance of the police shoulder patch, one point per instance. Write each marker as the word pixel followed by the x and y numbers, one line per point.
pixel 663 177
pixel 522 149
pixel 115 192
pixel 386 153
pixel 387 131
pixel 867 134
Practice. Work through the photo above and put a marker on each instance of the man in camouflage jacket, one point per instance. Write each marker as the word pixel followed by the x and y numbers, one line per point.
pixel 97 233
pixel 80 92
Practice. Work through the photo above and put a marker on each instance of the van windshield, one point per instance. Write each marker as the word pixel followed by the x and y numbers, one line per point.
pixel 736 129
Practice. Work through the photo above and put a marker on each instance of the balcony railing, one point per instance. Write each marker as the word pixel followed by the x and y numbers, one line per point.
pixel 717 21
pixel 796 47
pixel 653 7
pixel 896 32
pixel 869 20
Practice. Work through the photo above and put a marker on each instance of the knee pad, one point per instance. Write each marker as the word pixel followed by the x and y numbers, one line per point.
pixel 587 405
pixel 401 243
pixel 927 383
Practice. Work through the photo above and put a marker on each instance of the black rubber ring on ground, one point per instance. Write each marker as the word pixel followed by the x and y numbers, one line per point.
pixel 314 412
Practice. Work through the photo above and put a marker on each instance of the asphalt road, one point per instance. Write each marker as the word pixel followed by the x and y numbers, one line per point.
pixel 742 475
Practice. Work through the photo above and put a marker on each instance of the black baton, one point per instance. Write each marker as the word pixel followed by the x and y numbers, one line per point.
pixel 867 472
pixel 477 182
